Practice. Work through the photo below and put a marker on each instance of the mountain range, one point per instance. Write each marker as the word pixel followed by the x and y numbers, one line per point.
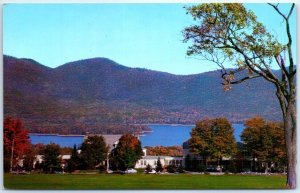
pixel 99 95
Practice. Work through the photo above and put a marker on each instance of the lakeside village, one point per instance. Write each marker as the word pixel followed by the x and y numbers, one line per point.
pixel 146 160
pixel 124 153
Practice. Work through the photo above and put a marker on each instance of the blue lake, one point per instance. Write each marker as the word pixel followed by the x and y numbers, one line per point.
pixel 164 135
pixel 62 140
pixel 169 135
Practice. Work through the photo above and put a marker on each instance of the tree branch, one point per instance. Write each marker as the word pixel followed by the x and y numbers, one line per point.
pixel 289 44
pixel 243 79
pixel 291 11
pixel 281 64
pixel 278 11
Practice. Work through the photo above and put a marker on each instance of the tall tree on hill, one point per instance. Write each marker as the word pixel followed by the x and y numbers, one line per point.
pixel 264 141
pixel 127 152
pixel 93 152
pixel 15 141
pixel 231 34
pixel 213 138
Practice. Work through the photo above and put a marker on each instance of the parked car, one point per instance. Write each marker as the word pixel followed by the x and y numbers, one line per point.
pixel 211 168
pixel 130 171
pixel 150 172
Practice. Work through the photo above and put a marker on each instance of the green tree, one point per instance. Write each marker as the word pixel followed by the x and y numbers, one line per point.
pixel 231 34
pixel 93 152
pixel 188 164
pixel 213 138
pixel 74 162
pixel 51 160
pixel 127 152
pixel 159 167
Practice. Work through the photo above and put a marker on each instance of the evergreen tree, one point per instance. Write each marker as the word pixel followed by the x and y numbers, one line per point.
pixel 51 161
pixel 188 163
pixel 93 152
pixel 74 161
pixel 171 168
pixel 159 167
pixel 180 169
pixel 148 168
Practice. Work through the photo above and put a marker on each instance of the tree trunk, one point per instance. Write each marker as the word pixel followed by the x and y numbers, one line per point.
pixel 288 107
pixel 253 166
pixel 291 143
pixel 12 155
pixel 266 167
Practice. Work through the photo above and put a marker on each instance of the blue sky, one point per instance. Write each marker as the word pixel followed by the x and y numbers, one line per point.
pixel 135 35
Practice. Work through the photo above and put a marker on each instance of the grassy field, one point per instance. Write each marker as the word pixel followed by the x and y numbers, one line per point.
pixel 141 181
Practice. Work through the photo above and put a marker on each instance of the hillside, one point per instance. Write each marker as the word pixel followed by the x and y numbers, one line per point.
pixel 99 95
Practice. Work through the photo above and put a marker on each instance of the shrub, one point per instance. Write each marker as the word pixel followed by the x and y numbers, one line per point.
pixel 180 169
pixel 171 168
pixel 148 168
pixel 201 168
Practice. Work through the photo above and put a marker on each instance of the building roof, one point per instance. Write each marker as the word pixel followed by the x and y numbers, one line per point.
pixel 185 145
pixel 110 140
pixel 65 156
pixel 161 157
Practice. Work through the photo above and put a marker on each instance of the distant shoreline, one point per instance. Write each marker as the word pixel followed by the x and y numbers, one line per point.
pixel 175 124
pixel 171 124
pixel 56 134
pixel 141 133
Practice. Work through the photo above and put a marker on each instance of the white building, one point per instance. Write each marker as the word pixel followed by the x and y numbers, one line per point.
pixel 110 140
pixel 113 140
pixel 152 160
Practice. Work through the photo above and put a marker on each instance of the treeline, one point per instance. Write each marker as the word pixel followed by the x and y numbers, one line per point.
pixel 21 155
pixel 82 129
pixel 212 143
pixel 165 151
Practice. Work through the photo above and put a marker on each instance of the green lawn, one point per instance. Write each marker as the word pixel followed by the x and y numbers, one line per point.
pixel 141 181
